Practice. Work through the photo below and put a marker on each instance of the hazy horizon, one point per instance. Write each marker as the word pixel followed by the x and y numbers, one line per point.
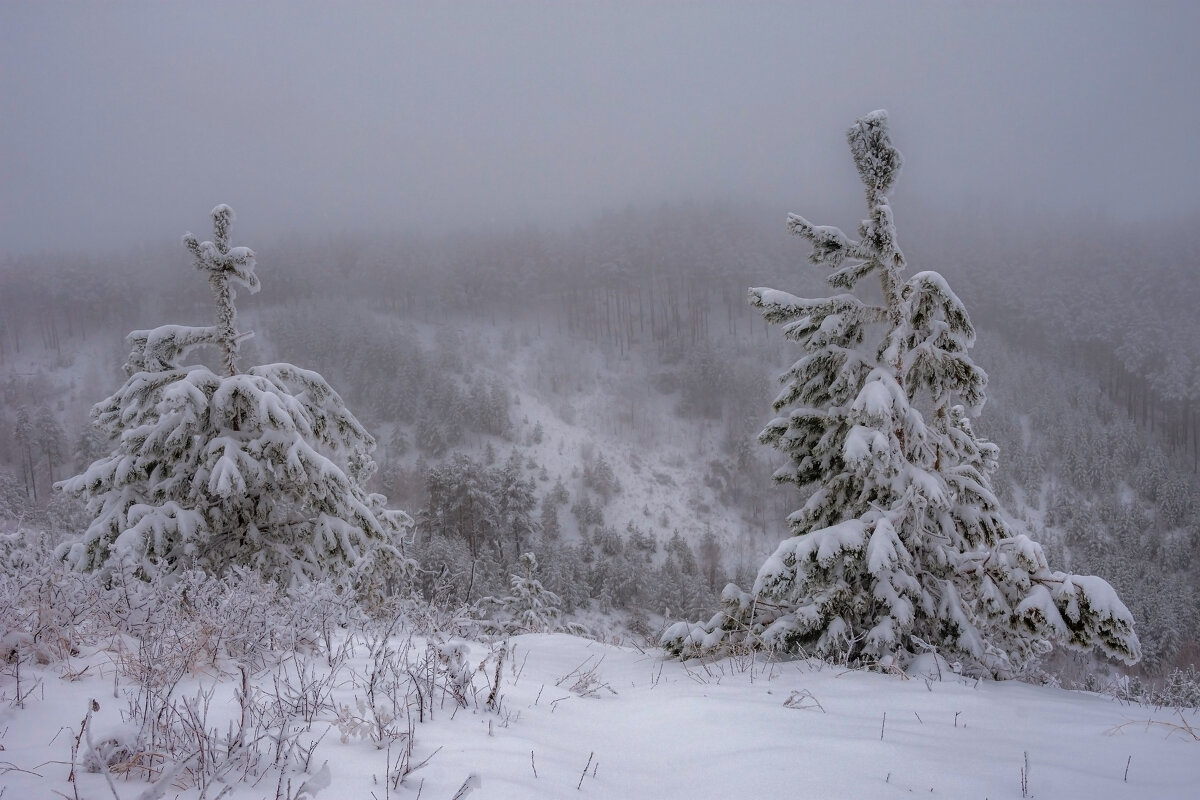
pixel 123 124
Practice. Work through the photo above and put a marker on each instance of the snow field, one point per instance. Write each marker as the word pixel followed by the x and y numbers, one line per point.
pixel 651 729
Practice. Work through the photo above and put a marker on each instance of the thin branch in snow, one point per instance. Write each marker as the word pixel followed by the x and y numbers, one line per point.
pixel 585 771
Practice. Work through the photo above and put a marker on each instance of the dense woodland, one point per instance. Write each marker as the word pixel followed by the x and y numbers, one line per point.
pixel 1085 328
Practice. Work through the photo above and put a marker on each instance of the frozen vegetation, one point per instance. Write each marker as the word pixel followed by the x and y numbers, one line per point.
pixel 221 688
pixel 221 598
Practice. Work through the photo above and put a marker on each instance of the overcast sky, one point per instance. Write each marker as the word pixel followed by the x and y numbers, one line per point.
pixel 124 123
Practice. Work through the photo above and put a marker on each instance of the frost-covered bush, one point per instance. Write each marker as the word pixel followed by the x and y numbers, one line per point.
pixel 1181 689
pixel 234 617
pixel 902 547
pixel 222 680
pixel 263 469
pixel 46 612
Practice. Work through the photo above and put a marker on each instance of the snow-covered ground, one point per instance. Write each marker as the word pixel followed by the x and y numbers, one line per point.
pixel 646 727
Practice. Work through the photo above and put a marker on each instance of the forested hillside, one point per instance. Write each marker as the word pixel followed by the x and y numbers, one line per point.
pixel 594 396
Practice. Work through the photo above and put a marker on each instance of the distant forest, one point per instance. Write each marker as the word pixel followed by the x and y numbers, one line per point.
pixel 1087 328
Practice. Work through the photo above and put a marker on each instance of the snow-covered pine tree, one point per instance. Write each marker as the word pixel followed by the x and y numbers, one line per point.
pixel 530 608
pixel 264 468
pixel 902 547
pixel 516 501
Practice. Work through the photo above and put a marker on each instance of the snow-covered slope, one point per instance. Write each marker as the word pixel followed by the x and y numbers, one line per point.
pixel 648 728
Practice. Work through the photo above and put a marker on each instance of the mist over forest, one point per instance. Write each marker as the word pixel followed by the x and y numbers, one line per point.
pixel 494 363
pixel 630 339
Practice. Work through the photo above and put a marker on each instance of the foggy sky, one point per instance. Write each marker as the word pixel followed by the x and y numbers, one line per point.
pixel 124 123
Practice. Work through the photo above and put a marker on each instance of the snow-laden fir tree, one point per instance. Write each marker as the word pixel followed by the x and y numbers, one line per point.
pixel 529 608
pixel 901 547
pixel 264 468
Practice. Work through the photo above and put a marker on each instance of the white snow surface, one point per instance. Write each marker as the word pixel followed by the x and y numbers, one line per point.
pixel 665 729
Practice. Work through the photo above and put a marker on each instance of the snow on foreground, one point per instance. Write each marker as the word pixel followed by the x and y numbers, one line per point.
pixel 651 728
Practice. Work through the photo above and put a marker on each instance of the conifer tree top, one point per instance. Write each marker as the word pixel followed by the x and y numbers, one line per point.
pixel 218 256
pixel 224 264
pixel 877 161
